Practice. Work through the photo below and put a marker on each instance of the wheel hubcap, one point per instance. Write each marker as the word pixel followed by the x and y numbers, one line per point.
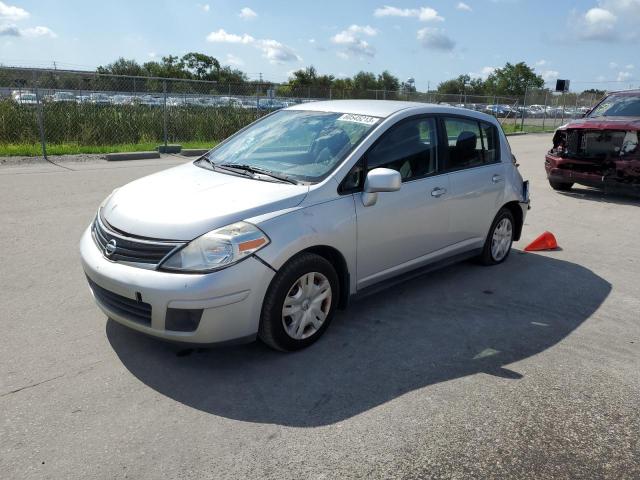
pixel 306 305
pixel 501 240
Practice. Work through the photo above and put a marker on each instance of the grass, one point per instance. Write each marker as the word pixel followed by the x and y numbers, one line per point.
pixel 511 128
pixel 87 128
pixel 34 150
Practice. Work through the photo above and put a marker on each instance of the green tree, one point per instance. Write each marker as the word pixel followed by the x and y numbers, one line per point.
pixel 365 81
pixel 305 77
pixel 123 66
pixel 464 84
pixel 513 80
pixel 386 81
pixel 201 66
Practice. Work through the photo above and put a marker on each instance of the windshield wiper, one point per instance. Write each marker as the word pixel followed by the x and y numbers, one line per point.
pixel 259 171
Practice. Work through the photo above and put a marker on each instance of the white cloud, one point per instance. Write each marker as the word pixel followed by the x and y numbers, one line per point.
pixel 613 65
pixel 630 66
pixel 549 75
pixel 484 73
pixel 272 50
pixel 31 32
pixel 624 76
pixel 234 61
pixel 352 42
pixel 221 36
pixel 247 14
pixel 424 14
pixel 276 52
pixel 205 7
pixel 464 7
pixel 9 31
pixel 12 13
pixel 597 24
pixel 35 32
pixel 435 38
pixel 342 55
pixel 152 54
pixel 599 16
pixel 540 63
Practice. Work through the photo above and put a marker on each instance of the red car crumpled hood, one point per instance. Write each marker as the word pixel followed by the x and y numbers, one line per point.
pixel 604 123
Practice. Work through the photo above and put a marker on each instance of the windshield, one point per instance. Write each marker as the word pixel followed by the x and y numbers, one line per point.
pixel 618 106
pixel 305 146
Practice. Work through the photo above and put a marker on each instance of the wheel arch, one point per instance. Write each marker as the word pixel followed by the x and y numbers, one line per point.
pixel 516 210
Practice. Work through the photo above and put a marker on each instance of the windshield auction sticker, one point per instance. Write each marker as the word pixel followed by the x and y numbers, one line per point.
pixel 364 119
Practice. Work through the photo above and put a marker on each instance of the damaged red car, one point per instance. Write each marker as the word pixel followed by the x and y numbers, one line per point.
pixel 600 150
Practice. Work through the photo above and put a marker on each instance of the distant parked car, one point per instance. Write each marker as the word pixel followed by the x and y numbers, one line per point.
pixel 497 110
pixel 26 98
pixel 122 100
pixel 272 230
pixel 228 102
pixel 63 97
pixel 150 101
pixel 99 99
pixel 600 150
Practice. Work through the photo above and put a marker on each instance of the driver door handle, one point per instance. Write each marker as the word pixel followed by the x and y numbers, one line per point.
pixel 438 192
pixel 496 178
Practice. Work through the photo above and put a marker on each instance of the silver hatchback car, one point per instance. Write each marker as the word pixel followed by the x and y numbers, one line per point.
pixel 272 230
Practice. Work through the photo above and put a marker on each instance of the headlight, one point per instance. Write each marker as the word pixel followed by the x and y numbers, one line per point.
pixel 218 249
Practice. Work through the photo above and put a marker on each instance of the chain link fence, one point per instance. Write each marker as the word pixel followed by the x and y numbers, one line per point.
pixel 85 112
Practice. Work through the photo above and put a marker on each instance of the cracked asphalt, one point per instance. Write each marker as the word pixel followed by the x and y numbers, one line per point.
pixel 530 369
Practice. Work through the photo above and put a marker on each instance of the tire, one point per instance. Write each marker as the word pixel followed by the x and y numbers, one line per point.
pixel 505 222
pixel 560 186
pixel 308 304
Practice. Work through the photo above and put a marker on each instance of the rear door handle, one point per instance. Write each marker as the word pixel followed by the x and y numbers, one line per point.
pixel 438 192
pixel 496 179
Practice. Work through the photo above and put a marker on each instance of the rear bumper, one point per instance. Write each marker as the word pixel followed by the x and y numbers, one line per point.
pixel 230 299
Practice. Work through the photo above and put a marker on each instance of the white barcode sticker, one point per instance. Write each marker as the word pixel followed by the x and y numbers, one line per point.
pixel 364 119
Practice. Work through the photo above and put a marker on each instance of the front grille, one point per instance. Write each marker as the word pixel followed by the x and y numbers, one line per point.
pixel 128 248
pixel 128 308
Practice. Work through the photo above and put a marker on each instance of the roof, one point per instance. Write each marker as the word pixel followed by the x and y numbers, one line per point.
pixel 383 108
pixel 374 108
pixel 634 91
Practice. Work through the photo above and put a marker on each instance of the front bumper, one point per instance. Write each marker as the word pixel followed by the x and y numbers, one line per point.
pixel 230 299
pixel 566 175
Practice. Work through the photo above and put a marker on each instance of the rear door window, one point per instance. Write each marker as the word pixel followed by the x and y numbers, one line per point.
pixel 464 142
pixel 470 143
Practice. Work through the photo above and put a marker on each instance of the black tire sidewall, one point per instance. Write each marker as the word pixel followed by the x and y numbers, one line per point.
pixel 271 330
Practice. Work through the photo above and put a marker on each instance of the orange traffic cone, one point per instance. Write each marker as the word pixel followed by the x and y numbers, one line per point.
pixel 546 241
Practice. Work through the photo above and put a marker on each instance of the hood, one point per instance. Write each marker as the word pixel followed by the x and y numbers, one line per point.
pixel 604 123
pixel 187 201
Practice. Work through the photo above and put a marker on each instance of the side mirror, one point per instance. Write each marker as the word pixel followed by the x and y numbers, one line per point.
pixel 380 180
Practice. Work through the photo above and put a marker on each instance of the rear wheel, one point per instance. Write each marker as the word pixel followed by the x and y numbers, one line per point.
pixel 561 186
pixel 299 303
pixel 498 243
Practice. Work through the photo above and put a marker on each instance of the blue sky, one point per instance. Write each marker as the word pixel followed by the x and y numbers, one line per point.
pixel 592 42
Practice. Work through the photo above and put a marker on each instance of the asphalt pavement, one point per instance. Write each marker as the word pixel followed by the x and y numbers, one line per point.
pixel 530 369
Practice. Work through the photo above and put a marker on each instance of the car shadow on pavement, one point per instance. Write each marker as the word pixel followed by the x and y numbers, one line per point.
pixel 459 321
pixel 603 196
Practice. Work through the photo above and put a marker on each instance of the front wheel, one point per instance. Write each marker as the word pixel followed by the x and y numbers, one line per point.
pixel 299 303
pixel 498 243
